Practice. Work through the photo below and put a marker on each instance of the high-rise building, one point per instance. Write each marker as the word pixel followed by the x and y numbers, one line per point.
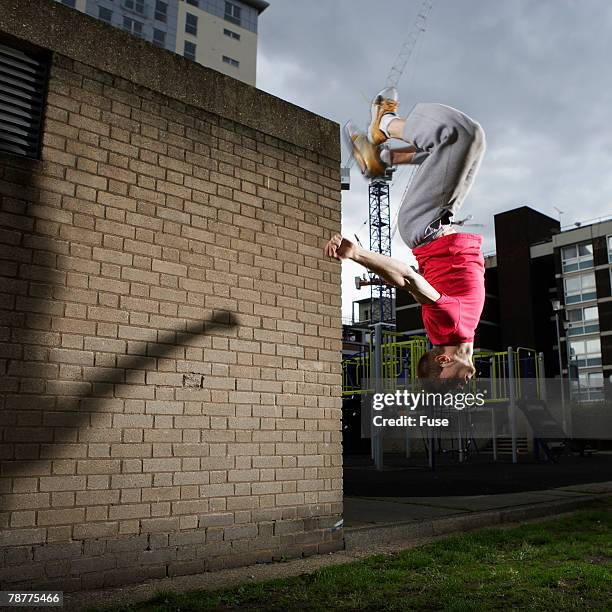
pixel 220 34
pixel 584 271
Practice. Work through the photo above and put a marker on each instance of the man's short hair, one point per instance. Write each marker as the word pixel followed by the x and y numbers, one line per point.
pixel 427 366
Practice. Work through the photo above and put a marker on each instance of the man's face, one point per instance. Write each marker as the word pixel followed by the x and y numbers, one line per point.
pixel 457 370
pixel 452 367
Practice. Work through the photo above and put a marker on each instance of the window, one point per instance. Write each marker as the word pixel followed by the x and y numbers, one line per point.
pixel 592 379
pixel 583 321
pixel 580 288
pixel 105 14
pixel 159 38
pixel 138 6
pixel 191 24
pixel 190 50
pixel 195 3
pixel 70 3
pixel 584 353
pixel 231 62
pixel 161 11
pixel 589 386
pixel 609 249
pixel 577 257
pixel 232 13
pixel 132 26
pixel 23 82
pixel 231 34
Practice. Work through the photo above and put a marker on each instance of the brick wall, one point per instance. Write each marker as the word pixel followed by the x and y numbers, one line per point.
pixel 169 332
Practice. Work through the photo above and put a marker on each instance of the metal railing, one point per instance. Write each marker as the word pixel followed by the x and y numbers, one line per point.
pixel 526 365
pixel 398 364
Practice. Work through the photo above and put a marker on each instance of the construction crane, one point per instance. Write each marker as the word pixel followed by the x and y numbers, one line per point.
pixel 401 61
pixel 379 214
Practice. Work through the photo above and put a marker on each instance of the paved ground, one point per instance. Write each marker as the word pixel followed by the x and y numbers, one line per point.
pixel 478 476
pixel 376 525
pixel 382 520
pixel 368 511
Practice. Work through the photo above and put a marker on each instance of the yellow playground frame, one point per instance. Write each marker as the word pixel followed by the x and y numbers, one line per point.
pixel 400 355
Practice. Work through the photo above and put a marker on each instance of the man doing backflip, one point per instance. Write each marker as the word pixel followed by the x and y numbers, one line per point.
pixel 448 147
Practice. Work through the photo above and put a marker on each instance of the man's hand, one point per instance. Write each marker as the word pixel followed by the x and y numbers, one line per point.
pixel 395 273
pixel 340 248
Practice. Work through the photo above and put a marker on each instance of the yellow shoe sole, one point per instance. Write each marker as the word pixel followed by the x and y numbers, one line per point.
pixel 366 155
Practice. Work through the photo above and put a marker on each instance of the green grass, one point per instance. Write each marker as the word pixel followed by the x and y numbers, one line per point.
pixel 562 564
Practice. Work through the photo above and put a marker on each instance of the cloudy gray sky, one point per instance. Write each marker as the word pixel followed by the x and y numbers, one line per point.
pixel 536 74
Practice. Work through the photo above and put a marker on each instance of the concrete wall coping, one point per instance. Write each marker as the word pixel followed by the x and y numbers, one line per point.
pixel 68 32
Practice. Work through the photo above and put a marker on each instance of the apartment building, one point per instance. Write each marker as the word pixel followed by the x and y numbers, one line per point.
pixel 219 34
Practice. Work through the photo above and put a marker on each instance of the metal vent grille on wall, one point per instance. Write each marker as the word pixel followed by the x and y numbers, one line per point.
pixel 23 83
